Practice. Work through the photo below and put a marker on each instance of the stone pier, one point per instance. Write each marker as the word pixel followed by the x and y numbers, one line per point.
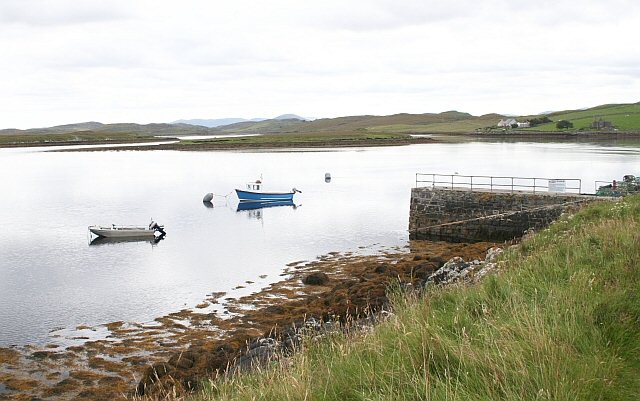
pixel 461 215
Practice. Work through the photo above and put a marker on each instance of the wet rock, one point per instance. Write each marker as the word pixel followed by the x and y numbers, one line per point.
pixel 449 272
pixel 493 253
pixel 381 269
pixel 315 278
pixel 437 261
pixel 255 358
pixel 486 269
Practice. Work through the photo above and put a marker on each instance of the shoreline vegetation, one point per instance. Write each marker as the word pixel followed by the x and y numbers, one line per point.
pixel 559 321
pixel 295 141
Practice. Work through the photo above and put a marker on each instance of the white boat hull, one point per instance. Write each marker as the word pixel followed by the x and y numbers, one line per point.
pixel 122 231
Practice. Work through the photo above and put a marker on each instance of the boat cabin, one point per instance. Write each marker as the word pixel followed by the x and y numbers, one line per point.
pixel 254 186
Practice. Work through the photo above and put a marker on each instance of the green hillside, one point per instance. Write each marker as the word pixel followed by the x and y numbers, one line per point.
pixel 624 117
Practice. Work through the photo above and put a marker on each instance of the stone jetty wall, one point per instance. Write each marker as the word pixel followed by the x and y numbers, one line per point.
pixel 461 215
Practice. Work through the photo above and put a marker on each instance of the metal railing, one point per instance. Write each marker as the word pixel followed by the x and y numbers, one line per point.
pixel 496 183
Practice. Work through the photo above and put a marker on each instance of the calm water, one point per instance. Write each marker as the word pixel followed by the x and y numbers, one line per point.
pixel 51 277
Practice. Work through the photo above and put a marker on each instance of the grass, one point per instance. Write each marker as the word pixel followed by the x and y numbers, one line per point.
pixel 75 137
pixel 561 321
pixel 299 139
pixel 463 126
pixel 625 117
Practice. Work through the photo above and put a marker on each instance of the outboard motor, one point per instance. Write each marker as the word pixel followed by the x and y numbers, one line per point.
pixel 157 227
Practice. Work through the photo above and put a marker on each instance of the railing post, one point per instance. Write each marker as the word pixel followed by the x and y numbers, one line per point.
pixel 534 185
pixel 471 183
pixel 433 181
pixel 451 181
pixel 491 183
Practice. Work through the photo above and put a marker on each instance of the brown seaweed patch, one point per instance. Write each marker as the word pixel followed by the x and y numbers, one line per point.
pixel 114 325
pixel 8 356
pixel 18 383
pixel 62 387
pixel 97 362
pixel 47 355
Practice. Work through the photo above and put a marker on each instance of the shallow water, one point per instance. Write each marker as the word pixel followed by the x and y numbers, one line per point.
pixel 51 277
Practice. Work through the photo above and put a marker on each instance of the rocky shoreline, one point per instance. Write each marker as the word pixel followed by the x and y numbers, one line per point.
pixel 177 351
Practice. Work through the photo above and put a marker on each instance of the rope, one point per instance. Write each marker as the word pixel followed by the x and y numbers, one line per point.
pixel 222 196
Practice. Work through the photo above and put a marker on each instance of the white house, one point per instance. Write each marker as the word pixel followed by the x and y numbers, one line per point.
pixel 507 122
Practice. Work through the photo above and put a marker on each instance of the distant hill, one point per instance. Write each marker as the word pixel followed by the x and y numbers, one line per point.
pixel 128 128
pixel 290 117
pixel 219 122
pixel 216 122
pixel 449 121
pixel 624 117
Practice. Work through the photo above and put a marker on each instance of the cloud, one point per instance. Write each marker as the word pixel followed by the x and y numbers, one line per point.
pixel 376 15
pixel 157 60
pixel 61 12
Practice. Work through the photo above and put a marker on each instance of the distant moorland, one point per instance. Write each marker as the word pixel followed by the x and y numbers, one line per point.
pixel 397 128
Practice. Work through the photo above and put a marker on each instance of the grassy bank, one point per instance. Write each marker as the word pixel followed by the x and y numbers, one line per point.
pixel 299 140
pixel 73 138
pixel 560 321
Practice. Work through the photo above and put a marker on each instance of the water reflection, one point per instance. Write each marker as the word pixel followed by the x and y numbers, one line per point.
pixel 97 241
pixel 264 204
pixel 254 209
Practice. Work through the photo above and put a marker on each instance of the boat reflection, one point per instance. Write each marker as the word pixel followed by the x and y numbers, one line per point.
pixel 112 241
pixel 254 209
pixel 250 205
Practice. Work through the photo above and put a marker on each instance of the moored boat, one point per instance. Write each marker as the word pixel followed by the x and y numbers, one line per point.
pixel 254 193
pixel 118 231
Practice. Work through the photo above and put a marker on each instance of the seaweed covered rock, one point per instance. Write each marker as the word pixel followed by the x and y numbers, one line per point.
pixel 315 278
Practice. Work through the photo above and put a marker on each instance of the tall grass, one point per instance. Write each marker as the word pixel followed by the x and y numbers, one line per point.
pixel 560 321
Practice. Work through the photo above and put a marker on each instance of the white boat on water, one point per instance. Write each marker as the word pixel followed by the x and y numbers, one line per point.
pixel 117 231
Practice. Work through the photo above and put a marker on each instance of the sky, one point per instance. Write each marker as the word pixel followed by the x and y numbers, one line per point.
pixel 143 61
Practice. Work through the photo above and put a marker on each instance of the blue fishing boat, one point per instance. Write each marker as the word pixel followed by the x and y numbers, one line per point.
pixel 254 193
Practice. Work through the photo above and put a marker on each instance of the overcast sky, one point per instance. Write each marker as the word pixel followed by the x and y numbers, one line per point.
pixel 65 61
